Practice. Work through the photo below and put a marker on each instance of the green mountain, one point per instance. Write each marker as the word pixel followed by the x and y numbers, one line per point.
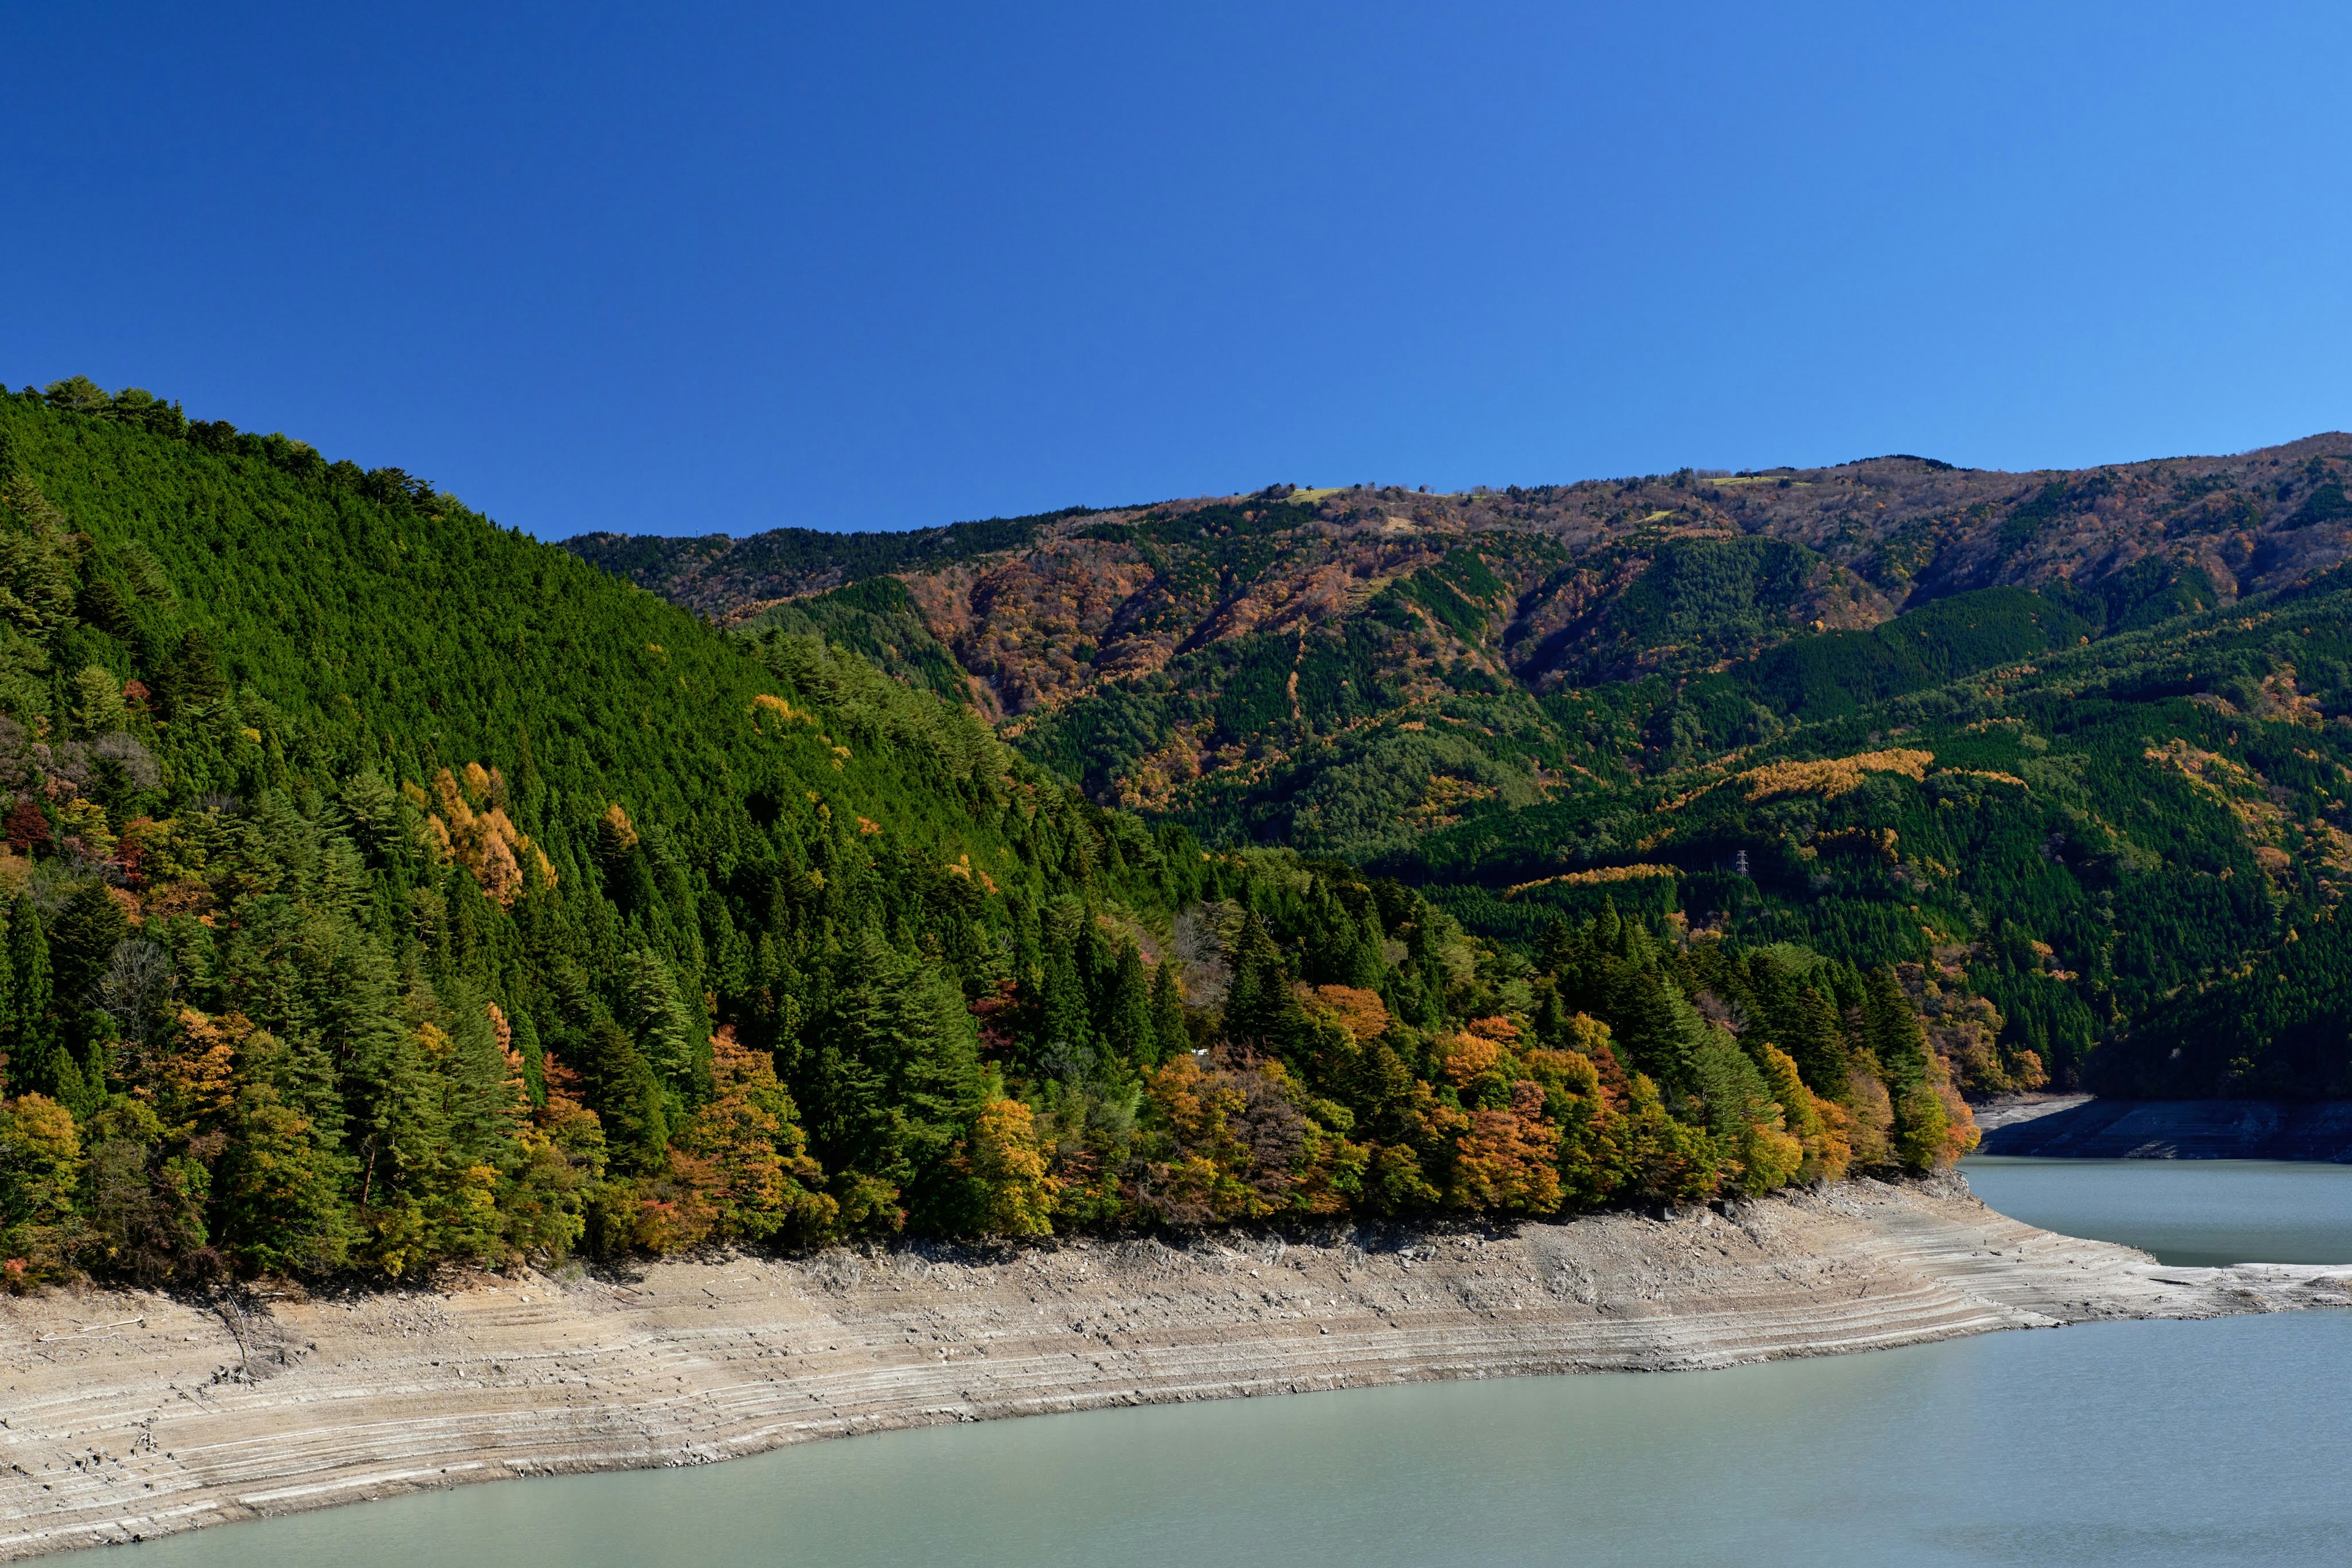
pixel 383 888
pixel 1530 704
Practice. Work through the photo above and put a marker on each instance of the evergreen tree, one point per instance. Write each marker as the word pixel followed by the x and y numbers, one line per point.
pixel 1169 1036
pixel 898 1075
pixel 1261 1013
pixel 626 1095
pixel 665 1030
pixel 32 1032
pixel 1065 1038
pixel 1128 1028
pixel 192 684
pixel 278 1197
pixel 1922 1126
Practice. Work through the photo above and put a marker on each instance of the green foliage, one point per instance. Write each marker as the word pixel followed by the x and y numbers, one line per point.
pixel 391 889
pixel 799 560
pixel 875 620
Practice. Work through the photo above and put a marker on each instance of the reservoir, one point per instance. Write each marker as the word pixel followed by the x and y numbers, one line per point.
pixel 2196 1212
pixel 2220 1442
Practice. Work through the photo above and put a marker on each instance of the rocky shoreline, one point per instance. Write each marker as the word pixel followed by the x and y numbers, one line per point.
pixel 129 1414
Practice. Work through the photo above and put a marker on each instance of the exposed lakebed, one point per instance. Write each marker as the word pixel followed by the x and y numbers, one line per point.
pixel 2154 1442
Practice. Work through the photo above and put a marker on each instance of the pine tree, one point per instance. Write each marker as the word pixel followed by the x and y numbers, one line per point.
pixel 626 1095
pixel 276 1188
pixel 1127 1031
pixel 665 1030
pixel 1169 1036
pixel 32 1032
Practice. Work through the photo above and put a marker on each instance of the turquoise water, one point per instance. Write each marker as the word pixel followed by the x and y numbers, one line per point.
pixel 2200 1212
pixel 2223 1442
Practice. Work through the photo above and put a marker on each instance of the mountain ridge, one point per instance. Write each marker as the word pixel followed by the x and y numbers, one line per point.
pixel 1525 703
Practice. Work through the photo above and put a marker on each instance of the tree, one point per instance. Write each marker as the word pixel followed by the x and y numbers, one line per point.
pixel 1128 1028
pixel 759 1179
pixel 1015 1195
pixel 626 1096
pixel 896 1078
pixel 1922 1125
pixel 40 1167
pixel 192 684
pixel 78 394
pixel 32 1034
pixel 1066 1033
pixel 1169 1034
pixel 83 943
pixel 664 1031
pixel 28 825
pixel 280 1210
pixel 1261 1013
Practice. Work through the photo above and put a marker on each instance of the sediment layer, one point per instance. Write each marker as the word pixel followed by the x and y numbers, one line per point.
pixel 130 1415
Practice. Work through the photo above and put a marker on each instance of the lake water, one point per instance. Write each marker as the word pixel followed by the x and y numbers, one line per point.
pixel 2200 1212
pixel 2221 1442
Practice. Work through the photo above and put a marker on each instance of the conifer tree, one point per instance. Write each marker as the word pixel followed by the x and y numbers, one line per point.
pixel 1921 1124
pixel 665 1030
pixel 626 1095
pixel 280 1208
pixel 1168 1035
pixel 898 1075
pixel 1261 1013
pixel 1127 1029
pixel 32 1032
pixel 1066 1039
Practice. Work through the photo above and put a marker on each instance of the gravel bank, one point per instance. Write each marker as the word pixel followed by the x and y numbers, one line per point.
pixel 128 1414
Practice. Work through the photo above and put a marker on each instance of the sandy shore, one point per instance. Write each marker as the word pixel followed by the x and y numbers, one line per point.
pixel 128 1414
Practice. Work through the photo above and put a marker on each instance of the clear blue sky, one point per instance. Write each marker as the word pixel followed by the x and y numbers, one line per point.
pixel 693 270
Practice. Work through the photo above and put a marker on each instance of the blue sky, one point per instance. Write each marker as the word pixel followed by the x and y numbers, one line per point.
pixel 727 268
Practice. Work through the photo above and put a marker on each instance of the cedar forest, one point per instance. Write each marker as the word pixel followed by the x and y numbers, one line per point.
pixel 385 890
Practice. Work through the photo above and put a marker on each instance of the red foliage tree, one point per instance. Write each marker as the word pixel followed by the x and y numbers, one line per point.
pixel 27 825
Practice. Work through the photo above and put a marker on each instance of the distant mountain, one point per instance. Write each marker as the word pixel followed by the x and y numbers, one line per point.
pixel 1553 586
pixel 2087 725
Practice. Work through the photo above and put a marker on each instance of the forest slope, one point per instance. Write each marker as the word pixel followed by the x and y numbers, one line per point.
pixel 2077 742
pixel 386 889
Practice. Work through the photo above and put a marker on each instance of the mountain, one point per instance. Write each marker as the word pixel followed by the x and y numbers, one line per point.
pixel 383 889
pixel 2067 742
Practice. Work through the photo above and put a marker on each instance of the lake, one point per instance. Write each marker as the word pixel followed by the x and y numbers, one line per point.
pixel 2200 1212
pixel 2221 1442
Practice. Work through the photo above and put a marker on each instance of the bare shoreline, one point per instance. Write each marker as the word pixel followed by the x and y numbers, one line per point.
pixel 128 1414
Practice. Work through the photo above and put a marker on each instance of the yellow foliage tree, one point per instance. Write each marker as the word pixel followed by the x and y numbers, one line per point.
pixel 1004 1157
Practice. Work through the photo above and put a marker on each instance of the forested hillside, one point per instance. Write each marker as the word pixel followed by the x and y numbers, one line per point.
pixel 383 889
pixel 2073 742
